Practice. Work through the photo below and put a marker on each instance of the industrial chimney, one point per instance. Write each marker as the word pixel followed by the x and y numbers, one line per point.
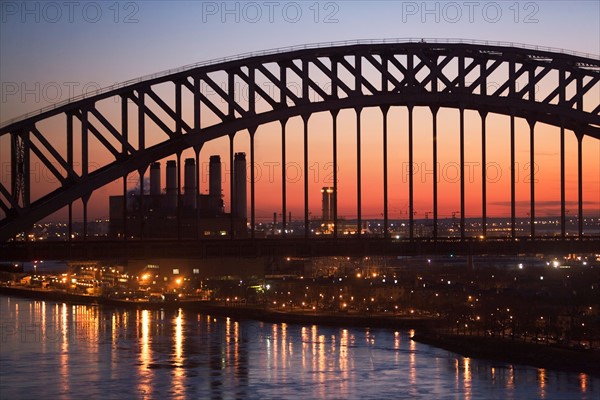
pixel 155 185
pixel 214 185
pixel 155 179
pixel 239 182
pixel 189 188
pixel 171 200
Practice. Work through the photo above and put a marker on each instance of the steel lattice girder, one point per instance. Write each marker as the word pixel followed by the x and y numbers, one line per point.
pixel 411 74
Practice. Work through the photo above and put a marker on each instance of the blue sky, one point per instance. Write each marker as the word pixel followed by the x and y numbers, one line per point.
pixel 106 42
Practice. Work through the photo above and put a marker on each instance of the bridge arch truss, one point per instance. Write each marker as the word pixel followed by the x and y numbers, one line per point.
pixel 229 96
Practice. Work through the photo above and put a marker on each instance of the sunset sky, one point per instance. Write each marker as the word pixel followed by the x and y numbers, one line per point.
pixel 52 51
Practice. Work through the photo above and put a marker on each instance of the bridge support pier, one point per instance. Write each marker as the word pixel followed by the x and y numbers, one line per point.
pixel 512 177
pixel 434 112
pixel 232 206
pixel 532 175
pixel 70 162
pixel 411 208
pixel 483 116
pixel 179 192
pixel 358 111
pixel 462 172
pixel 305 119
pixel 563 220
pixel 384 111
pixel 142 146
pixel 580 183
pixel 141 213
pixel 252 132
pixel 283 123
pixel 197 150
pixel 334 115
pixel 124 143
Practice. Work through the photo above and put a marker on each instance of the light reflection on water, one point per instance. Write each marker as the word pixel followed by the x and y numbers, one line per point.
pixel 65 351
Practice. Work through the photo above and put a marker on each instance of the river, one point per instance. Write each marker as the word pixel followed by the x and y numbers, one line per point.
pixel 62 351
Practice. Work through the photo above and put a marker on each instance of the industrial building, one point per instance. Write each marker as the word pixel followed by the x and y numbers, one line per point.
pixel 172 213
pixel 328 204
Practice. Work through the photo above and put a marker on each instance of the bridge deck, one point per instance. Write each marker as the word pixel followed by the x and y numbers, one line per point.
pixel 293 247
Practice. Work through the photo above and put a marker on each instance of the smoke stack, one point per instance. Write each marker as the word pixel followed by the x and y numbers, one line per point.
pixel 214 170
pixel 214 185
pixel 189 188
pixel 171 186
pixel 239 187
pixel 155 179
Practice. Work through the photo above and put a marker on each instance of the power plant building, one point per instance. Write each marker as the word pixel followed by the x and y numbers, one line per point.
pixel 189 214
pixel 327 207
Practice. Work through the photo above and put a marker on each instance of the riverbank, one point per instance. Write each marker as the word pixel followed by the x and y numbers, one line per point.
pixel 506 350
pixel 538 355
pixel 234 311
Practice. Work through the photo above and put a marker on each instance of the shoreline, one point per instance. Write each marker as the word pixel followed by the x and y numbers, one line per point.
pixel 497 349
pixel 241 312
pixel 506 350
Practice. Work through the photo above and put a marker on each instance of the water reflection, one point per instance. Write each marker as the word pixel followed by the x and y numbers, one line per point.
pixel 64 354
pixel 114 345
pixel 275 355
pixel 343 357
pixel 304 339
pixel 412 358
pixel 284 347
pixel 178 371
pixel 510 383
pixel 542 382
pixel 467 378
pixel 314 352
pixel 82 351
pixel 583 379
pixel 144 387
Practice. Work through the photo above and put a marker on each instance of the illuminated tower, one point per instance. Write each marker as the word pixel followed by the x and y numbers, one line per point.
pixel 327 204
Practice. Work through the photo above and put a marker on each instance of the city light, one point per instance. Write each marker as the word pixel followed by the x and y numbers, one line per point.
pixel 391 185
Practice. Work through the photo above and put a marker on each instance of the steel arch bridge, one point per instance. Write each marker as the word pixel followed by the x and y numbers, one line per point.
pixel 335 76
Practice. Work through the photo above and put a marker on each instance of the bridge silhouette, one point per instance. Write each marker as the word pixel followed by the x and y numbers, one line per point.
pixel 290 247
pixel 356 75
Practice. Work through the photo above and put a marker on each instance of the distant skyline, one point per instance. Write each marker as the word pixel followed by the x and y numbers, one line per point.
pixel 50 51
